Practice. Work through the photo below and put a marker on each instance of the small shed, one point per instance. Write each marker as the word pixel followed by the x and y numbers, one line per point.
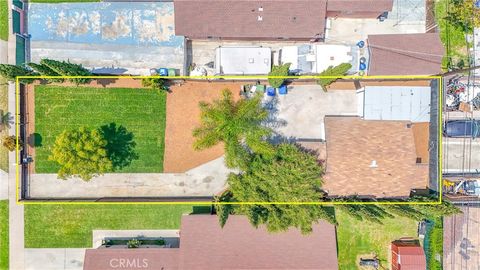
pixel 408 255
pixel 243 60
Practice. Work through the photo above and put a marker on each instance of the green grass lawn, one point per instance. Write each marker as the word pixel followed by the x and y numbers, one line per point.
pixel 4 20
pixel 4 107
pixel 140 111
pixel 434 245
pixel 70 226
pixel 3 235
pixel 356 238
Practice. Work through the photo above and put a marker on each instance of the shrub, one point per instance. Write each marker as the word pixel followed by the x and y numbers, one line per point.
pixel 134 243
pixel 337 71
pixel 155 83
pixel 10 142
pixel 282 71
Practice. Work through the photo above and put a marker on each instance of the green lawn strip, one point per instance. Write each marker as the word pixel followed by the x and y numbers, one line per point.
pixel 3 235
pixel 4 20
pixel 140 111
pixel 356 238
pixel 4 107
pixel 434 245
pixel 70 226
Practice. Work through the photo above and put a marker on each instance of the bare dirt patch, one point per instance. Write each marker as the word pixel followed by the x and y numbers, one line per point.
pixel 183 115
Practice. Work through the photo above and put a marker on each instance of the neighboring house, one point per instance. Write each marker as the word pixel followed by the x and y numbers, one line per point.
pixel 205 245
pixel 408 255
pixel 405 54
pixel 302 20
pixel 357 8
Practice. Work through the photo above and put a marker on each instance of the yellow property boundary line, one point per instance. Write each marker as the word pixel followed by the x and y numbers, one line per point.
pixel 413 77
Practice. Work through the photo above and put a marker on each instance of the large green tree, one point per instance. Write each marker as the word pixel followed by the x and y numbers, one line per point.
pixel 464 14
pixel 81 153
pixel 333 73
pixel 238 124
pixel 290 175
pixel 68 69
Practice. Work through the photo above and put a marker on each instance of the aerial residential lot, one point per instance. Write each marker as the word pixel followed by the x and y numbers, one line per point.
pixel 389 140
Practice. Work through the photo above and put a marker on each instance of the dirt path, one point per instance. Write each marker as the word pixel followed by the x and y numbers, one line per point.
pixel 30 122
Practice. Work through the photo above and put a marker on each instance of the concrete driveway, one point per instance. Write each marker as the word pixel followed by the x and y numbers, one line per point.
pixel 300 113
pixel 205 180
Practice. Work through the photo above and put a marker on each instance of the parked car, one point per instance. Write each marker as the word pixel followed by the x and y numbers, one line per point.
pixel 462 128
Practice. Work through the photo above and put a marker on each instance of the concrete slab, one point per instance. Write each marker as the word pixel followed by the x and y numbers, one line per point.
pixel 300 113
pixel 54 258
pixel 205 180
pixel 171 237
pixel 3 52
pixel 461 244
pixel 461 155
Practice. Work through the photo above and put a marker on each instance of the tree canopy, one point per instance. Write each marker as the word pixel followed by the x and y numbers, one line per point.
pixel 67 69
pixel 238 124
pixel 11 72
pixel 464 14
pixel 337 71
pixel 278 71
pixel 81 153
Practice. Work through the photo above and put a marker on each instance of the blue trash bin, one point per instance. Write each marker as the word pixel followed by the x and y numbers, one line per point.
pixel 282 90
pixel 163 71
pixel 363 66
pixel 270 91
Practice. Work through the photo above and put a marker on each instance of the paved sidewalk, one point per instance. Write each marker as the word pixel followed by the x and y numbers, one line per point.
pixel 16 211
pixel 54 258
pixel 205 180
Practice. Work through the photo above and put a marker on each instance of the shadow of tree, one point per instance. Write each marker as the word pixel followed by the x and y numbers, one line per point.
pixel 120 145
pixel 35 140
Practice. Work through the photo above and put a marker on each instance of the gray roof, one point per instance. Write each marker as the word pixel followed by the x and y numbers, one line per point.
pixel 406 103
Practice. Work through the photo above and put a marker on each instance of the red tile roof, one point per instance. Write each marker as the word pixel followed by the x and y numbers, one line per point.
pixel 378 6
pixel 294 19
pixel 408 257
pixel 118 258
pixel 240 246
pixel 205 245
pixel 405 54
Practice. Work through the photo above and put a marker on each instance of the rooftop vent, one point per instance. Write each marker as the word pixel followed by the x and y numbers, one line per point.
pixel 373 164
pixel 260 9
pixel 259 18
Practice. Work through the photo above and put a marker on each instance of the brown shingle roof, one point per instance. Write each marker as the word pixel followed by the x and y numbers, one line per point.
pixel 405 54
pixel 352 145
pixel 240 246
pixel 294 19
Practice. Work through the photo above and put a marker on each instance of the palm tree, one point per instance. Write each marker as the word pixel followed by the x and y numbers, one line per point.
pixel 6 120
pixel 238 124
